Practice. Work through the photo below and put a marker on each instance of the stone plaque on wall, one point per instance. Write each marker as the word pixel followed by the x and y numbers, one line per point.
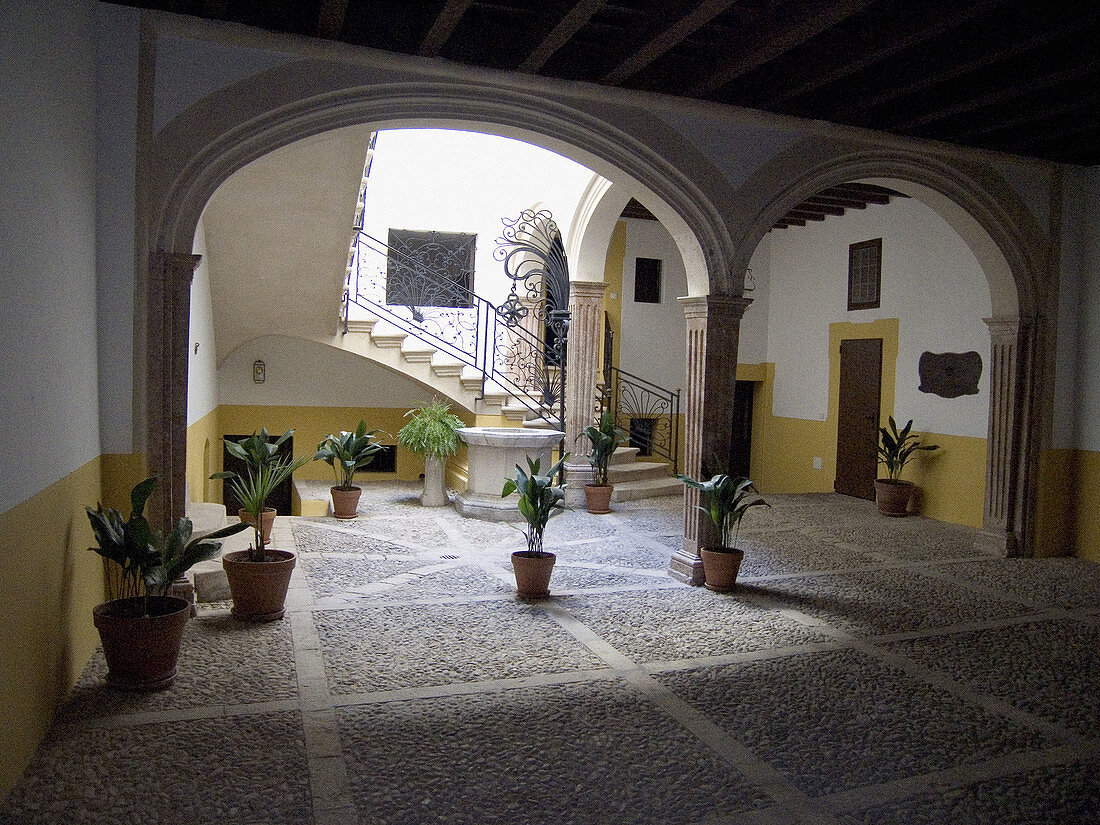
pixel 950 374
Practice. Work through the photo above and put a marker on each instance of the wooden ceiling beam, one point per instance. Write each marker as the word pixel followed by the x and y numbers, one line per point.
pixel 779 43
pixel 820 205
pixel 805 214
pixel 573 21
pixel 330 19
pixel 842 203
pixel 443 27
pixel 668 39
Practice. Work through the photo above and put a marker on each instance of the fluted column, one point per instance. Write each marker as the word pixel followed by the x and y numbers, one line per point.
pixel 582 372
pixel 167 336
pixel 999 516
pixel 713 324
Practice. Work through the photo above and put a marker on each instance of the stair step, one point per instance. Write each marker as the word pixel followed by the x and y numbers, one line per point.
pixel 361 325
pixel 543 423
pixel 445 366
pixel 471 379
pixel 416 351
pixel 624 455
pixel 637 470
pixel 387 336
pixel 646 488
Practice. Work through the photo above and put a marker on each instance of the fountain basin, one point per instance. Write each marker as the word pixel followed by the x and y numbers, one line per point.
pixel 492 456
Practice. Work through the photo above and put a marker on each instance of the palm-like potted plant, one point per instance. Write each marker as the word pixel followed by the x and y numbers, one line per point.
pixel 348 453
pixel 604 437
pixel 259 577
pixel 538 498
pixel 141 626
pixel 431 433
pixel 256 451
pixel 728 498
pixel 895 450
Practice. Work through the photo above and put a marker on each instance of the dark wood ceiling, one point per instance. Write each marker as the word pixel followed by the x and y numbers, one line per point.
pixel 1013 75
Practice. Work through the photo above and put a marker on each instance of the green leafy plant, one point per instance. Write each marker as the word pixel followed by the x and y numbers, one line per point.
pixel 150 560
pixel 896 449
pixel 348 453
pixel 538 498
pixel 431 431
pixel 728 499
pixel 258 449
pixel 255 487
pixel 604 438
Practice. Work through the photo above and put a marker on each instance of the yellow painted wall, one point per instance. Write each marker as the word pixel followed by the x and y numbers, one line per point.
pixel 951 480
pixel 1088 504
pixel 204 455
pixel 50 583
pixel 613 275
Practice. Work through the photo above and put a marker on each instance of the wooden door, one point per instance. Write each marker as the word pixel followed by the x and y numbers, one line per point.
pixel 741 439
pixel 857 419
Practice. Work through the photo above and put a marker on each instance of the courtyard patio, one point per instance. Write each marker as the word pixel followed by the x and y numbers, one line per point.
pixel 866 671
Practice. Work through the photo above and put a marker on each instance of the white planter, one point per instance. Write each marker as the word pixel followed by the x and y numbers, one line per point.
pixel 435 488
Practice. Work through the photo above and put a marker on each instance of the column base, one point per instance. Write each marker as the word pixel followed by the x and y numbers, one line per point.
pixel 577 474
pixel 998 541
pixel 687 568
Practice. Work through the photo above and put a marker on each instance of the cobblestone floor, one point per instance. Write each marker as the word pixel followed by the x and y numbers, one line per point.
pixel 866 671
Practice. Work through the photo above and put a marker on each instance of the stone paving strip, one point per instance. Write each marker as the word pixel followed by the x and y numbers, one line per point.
pixel 867 671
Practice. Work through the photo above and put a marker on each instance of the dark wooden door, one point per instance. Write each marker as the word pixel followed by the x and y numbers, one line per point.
pixel 857 420
pixel 280 499
pixel 741 439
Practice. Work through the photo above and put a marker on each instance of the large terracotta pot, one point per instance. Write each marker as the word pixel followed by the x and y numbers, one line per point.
pixel 344 502
pixel 598 497
pixel 141 651
pixel 259 587
pixel 892 497
pixel 267 519
pixel 533 573
pixel 720 567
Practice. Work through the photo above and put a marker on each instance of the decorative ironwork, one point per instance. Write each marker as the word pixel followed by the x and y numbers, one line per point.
pixel 650 413
pixel 429 269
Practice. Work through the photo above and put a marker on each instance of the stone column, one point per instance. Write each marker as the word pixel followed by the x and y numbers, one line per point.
pixel 168 338
pixel 582 370
pixel 713 324
pixel 1002 449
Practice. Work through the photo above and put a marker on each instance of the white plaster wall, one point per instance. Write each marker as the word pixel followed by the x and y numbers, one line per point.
pixel 1088 333
pixel 117 33
pixel 466 182
pixel 930 280
pixel 47 245
pixel 309 374
pixel 654 338
pixel 202 367
pixel 752 342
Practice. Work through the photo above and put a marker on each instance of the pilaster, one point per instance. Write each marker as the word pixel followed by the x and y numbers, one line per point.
pixel 581 378
pixel 998 518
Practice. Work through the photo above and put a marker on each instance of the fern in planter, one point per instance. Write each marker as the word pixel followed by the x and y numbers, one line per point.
pixel 431 431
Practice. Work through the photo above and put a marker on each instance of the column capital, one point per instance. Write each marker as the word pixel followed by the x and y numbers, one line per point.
pixel 730 307
pixel 1003 330
pixel 587 289
pixel 176 264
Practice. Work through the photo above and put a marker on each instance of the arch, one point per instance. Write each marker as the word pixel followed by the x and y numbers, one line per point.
pixel 998 227
pixel 214 137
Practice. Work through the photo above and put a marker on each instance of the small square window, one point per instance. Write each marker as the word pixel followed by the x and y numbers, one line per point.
pixel 647 280
pixel 864 274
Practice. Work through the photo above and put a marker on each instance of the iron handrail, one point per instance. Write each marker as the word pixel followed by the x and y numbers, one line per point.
pixel 632 397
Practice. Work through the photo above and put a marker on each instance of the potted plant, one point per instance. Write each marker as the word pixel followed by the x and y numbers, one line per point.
pixel 604 438
pixel 538 498
pixel 257 451
pixel 431 434
pixel 258 577
pixel 141 626
pixel 895 450
pixel 347 454
pixel 728 499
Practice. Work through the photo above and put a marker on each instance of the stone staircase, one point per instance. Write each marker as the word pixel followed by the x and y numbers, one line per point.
pixel 634 479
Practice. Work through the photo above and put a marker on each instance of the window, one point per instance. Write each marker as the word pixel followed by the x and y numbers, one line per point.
pixel 647 280
pixel 430 269
pixel 864 274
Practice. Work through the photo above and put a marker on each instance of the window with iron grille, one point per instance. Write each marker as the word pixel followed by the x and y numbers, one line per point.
pixel 864 274
pixel 430 269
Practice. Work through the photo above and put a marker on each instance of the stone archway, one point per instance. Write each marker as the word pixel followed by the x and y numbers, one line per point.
pixel 198 150
pixel 1005 237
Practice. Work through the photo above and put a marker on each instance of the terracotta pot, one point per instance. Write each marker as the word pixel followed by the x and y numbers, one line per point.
pixel 533 574
pixel 892 497
pixel 267 519
pixel 141 651
pixel 259 587
pixel 598 497
pixel 720 567
pixel 344 502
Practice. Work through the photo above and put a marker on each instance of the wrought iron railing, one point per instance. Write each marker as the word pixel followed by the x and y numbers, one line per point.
pixel 648 412
pixel 519 347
